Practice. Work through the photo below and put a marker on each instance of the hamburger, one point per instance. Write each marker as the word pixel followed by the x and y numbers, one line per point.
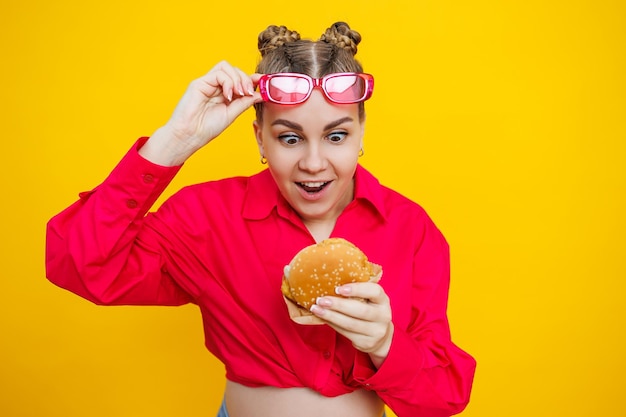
pixel 318 269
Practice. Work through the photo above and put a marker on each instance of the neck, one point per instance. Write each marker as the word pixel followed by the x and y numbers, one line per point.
pixel 320 229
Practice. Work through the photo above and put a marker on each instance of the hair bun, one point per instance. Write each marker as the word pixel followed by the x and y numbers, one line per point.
pixel 274 37
pixel 340 35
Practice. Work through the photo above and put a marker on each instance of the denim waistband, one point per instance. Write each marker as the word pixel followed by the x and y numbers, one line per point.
pixel 222 411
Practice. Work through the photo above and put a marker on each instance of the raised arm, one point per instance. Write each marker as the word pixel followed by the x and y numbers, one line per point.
pixel 210 105
pixel 101 247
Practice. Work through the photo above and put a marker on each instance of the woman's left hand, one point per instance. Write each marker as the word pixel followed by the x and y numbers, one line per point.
pixel 367 324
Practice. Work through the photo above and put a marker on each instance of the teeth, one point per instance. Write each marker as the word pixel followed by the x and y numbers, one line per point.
pixel 313 184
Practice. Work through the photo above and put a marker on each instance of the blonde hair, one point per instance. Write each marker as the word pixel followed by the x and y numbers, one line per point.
pixel 282 50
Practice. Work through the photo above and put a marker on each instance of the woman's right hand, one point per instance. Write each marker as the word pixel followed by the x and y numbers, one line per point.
pixel 210 104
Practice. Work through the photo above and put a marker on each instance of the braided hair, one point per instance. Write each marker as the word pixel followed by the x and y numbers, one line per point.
pixel 283 50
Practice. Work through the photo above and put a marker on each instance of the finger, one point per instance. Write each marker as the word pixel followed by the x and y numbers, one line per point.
pixel 224 77
pixel 256 77
pixel 365 336
pixel 225 67
pixel 213 84
pixel 247 85
pixel 240 104
pixel 355 308
pixel 242 84
pixel 370 291
pixel 345 324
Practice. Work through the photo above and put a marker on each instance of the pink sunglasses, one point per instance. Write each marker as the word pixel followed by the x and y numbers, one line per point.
pixel 293 88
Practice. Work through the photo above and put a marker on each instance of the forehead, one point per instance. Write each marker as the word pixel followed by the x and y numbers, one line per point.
pixel 316 111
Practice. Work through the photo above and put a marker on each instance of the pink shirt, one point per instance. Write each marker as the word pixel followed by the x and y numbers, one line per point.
pixel 223 244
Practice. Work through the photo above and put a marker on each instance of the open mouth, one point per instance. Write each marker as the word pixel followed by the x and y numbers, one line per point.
pixel 313 187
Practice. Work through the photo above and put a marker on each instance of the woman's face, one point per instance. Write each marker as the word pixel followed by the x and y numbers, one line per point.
pixel 312 151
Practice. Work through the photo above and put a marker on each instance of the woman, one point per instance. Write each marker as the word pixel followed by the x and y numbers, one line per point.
pixel 223 244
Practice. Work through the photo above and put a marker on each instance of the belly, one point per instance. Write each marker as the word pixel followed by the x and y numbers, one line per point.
pixel 242 401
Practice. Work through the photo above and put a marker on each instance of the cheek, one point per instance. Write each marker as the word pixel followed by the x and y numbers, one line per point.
pixel 281 167
pixel 345 169
pixel 283 159
pixel 346 158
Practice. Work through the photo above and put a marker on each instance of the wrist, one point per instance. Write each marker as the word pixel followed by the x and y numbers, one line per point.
pixel 165 149
pixel 379 355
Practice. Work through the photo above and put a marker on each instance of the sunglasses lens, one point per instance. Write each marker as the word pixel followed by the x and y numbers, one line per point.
pixel 288 89
pixel 346 88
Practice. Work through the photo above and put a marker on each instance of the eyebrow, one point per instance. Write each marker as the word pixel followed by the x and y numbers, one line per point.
pixel 296 126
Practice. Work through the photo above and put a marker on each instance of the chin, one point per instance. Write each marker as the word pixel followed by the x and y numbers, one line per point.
pixel 326 205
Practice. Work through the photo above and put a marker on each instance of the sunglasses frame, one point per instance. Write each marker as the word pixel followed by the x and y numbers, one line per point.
pixel 316 82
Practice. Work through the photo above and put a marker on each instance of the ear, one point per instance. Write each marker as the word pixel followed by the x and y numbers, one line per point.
pixel 258 133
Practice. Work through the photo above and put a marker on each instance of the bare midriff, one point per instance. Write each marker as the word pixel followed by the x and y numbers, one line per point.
pixel 242 401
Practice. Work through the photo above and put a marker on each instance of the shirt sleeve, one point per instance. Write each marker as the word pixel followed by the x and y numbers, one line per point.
pixel 94 249
pixel 425 374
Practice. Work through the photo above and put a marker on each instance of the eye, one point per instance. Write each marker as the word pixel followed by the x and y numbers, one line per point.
pixel 289 139
pixel 337 137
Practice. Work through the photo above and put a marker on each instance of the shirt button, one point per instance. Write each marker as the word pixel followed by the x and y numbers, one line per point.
pixel 326 354
pixel 148 178
pixel 131 203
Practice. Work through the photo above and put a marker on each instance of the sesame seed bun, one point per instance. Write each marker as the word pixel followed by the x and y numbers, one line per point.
pixel 318 269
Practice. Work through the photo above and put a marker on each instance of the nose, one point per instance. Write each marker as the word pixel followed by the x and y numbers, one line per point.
pixel 313 159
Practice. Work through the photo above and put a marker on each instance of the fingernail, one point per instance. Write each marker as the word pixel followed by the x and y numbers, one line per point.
pixel 343 290
pixel 321 301
pixel 317 310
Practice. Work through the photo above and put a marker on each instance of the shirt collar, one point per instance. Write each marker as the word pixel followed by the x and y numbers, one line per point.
pixel 263 195
pixel 368 188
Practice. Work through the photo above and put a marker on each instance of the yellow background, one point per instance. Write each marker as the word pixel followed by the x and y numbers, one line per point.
pixel 504 119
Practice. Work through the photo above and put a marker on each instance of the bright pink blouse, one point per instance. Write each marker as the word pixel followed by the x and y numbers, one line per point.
pixel 223 244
